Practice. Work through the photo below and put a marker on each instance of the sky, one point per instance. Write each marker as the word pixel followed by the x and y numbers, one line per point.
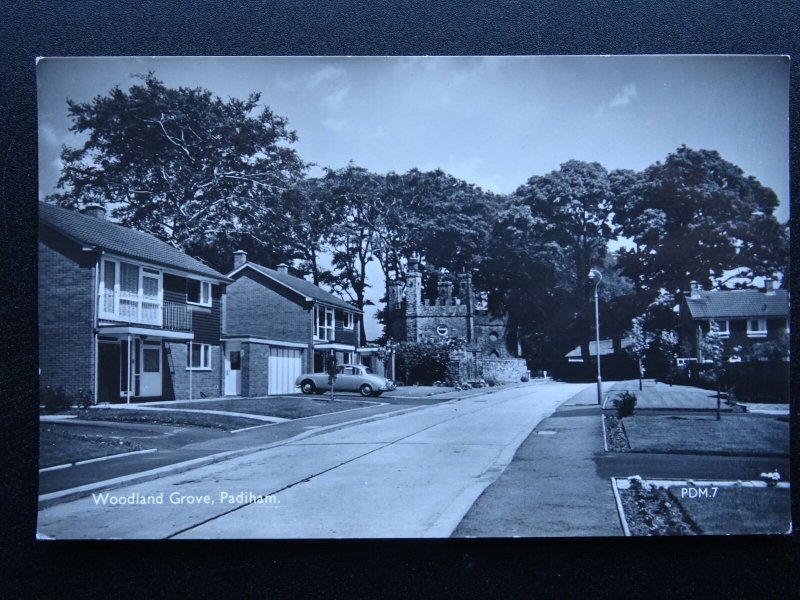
pixel 492 121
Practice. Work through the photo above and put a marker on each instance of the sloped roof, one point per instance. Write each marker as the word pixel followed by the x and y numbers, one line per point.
pixel 122 241
pixel 606 347
pixel 731 304
pixel 300 286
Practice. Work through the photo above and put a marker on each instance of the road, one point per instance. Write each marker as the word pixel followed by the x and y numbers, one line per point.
pixel 411 475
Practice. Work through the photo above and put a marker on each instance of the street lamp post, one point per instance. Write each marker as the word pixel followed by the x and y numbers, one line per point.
pixel 595 274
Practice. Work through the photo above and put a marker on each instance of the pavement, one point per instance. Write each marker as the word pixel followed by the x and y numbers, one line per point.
pixel 524 460
pixel 177 446
pixel 552 488
pixel 413 473
pixel 559 482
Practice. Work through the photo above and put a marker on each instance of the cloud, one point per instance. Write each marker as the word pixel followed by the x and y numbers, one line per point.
pixel 334 100
pixel 624 96
pixel 324 74
pixel 337 125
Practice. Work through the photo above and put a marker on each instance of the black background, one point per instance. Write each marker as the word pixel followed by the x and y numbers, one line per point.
pixel 473 568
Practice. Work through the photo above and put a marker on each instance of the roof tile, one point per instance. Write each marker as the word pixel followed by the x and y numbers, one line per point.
pixel 120 240
pixel 303 287
pixel 728 304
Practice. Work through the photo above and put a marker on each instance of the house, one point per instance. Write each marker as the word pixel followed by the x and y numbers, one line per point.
pixel 747 320
pixel 607 348
pixel 124 316
pixel 278 326
pixel 616 363
pixel 453 313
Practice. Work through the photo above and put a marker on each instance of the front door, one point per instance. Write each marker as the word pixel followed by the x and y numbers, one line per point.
pixel 108 371
pixel 233 369
pixel 150 368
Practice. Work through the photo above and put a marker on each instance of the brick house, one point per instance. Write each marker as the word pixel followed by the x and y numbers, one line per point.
pixel 745 318
pixel 278 326
pixel 124 316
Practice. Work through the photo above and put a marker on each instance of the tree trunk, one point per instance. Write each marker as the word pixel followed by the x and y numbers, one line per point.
pixel 719 399
pixel 640 374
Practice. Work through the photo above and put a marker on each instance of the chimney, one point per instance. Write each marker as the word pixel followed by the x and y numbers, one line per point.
pixel 92 209
pixel 770 286
pixel 283 268
pixel 239 258
pixel 695 289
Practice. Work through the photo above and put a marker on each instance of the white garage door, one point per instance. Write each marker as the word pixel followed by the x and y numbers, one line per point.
pixel 285 365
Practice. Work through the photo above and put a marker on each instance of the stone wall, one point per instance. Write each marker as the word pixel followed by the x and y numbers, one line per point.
pixel 509 370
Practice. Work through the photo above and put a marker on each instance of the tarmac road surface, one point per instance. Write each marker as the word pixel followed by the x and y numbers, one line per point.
pixel 411 475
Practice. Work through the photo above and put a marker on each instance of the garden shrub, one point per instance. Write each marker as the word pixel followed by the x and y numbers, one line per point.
pixel 625 403
pixel 55 400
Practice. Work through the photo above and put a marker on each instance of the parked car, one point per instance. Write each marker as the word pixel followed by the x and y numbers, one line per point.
pixel 349 378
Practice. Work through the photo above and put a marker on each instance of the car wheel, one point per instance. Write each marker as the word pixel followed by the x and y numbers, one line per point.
pixel 366 390
pixel 308 387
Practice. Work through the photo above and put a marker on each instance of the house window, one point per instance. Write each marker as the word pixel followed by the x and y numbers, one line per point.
pixel 198 357
pixel 347 358
pixel 323 323
pixel 756 328
pixel 724 328
pixel 130 293
pixel 198 292
pixel 442 330
pixel 348 320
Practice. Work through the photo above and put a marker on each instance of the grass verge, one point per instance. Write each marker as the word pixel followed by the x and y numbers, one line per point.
pixel 284 408
pixel 59 446
pixel 164 417
pixel 703 434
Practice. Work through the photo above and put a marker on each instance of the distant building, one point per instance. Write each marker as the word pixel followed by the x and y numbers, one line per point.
pixel 278 326
pixel 453 313
pixel 746 318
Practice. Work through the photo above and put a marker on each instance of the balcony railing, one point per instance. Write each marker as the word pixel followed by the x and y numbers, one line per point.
pixel 177 317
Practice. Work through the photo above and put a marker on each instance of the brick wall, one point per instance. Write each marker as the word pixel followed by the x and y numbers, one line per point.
pixel 255 368
pixel 208 382
pixel 66 314
pixel 257 310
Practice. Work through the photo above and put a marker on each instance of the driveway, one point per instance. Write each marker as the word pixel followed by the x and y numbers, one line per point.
pixel 411 475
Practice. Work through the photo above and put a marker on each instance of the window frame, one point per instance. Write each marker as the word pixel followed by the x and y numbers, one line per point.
pixel 757 333
pixel 726 332
pixel 205 353
pixel 320 328
pixel 142 272
pixel 202 285
pixel 348 321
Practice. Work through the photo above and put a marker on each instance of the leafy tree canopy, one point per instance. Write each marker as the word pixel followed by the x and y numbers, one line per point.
pixel 695 217
pixel 188 167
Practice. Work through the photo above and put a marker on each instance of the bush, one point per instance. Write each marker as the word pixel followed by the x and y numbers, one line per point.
pixel 625 403
pixel 525 378
pixel 55 400
pixel 85 399
pixel 491 381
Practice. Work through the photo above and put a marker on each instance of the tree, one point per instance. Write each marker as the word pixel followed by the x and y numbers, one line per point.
pixel 668 348
pixel 696 217
pixel 358 208
pixel 190 168
pixel 573 206
pixel 711 350
pixel 639 344
pixel 307 221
